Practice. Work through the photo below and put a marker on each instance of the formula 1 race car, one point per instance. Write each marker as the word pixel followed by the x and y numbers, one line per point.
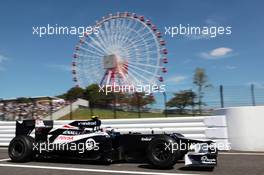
pixel 85 140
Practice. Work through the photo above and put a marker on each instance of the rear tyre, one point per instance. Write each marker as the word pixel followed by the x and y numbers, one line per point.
pixel 160 153
pixel 21 149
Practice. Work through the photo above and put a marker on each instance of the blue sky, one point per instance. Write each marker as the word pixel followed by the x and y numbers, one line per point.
pixel 33 66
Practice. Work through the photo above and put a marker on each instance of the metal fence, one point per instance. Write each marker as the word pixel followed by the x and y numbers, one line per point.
pixel 217 97
pixel 234 96
pixel 213 98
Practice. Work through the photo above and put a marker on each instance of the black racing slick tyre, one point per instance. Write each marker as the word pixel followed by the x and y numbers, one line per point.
pixel 21 149
pixel 160 153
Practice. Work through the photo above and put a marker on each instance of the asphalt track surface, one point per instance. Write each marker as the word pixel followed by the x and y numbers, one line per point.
pixel 233 163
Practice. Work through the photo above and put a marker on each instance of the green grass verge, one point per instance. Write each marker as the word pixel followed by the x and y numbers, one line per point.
pixel 109 114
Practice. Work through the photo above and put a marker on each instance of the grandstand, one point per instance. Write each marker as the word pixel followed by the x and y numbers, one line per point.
pixel 30 107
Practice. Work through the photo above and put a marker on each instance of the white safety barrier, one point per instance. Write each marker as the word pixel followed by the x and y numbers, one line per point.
pixel 206 127
pixel 245 127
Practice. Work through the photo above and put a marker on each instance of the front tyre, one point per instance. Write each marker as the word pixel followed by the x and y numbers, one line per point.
pixel 160 153
pixel 21 149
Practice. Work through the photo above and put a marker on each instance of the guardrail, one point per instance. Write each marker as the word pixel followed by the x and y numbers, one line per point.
pixel 205 127
pixel 245 127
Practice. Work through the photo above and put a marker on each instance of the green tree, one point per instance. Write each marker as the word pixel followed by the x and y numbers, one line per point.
pixel 23 100
pixel 182 99
pixel 139 100
pixel 200 79
pixel 74 93
pixel 97 97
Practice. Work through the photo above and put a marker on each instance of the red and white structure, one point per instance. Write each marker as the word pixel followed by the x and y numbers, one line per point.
pixel 127 50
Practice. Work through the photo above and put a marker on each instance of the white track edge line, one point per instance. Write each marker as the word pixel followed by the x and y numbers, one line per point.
pixel 90 170
pixel 248 154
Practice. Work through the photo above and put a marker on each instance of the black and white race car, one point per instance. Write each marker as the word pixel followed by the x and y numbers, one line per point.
pixel 85 140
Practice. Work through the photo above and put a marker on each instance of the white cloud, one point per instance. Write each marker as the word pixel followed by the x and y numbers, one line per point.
pixel 176 79
pixel 211 22
pixel 197 36
pixel 2 59
pixel 230 67
pixel 221 52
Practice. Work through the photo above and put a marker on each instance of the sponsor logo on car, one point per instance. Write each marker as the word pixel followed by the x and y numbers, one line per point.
pixel 87 123
pixel 206 160
pixel 70 132
pixel 65 138
pixel 146 139
pixel 90 144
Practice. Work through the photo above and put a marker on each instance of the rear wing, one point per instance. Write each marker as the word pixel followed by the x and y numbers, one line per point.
pixel 42 128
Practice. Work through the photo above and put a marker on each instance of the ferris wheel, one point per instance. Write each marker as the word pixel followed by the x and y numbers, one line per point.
pixel 127 49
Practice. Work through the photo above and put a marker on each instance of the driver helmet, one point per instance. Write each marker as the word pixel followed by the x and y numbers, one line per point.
pixel 94 117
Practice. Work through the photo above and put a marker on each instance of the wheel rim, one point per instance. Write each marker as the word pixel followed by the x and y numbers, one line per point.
pixel 160 152
pixel 17 149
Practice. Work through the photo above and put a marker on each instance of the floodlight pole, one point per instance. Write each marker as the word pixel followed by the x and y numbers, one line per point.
pixel 165 104
pixel 252 88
